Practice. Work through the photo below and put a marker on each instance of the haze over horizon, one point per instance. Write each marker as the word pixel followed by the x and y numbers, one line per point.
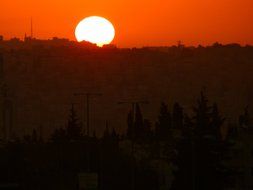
pixel 160 23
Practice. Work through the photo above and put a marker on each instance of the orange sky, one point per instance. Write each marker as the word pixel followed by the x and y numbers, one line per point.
pixel 137 22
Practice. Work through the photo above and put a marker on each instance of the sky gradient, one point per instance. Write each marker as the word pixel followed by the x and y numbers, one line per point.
pixel 137 23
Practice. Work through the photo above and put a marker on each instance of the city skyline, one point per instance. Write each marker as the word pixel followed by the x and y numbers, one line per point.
pixel 154 24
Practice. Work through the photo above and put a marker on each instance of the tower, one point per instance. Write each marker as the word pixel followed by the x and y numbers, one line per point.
pixel 31 28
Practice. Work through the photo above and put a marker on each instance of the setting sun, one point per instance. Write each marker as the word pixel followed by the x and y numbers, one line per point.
pixel 96 30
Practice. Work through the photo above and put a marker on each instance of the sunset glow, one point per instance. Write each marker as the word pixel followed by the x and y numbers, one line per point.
pixel 137 23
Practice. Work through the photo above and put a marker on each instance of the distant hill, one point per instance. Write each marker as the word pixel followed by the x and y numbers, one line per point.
pixel 41 78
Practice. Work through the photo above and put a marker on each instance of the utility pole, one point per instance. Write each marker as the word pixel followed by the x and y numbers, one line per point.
pixel 87 97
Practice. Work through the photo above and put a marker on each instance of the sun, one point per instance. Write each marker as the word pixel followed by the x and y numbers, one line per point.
pixel 96 30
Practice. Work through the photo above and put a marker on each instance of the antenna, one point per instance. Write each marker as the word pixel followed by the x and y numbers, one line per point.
pixel 31 27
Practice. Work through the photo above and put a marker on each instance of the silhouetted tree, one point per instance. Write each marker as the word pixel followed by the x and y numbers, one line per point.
pixel 74 130
pixel 184 172
pixel 114 135
pixel 216 121
pixel 232 132
pixel 106 132
pixel 130 125
pixel 110 136
pixel 202 115
pixel 148 134
pixel 208 149
pixel 163 125
pixel 177 116
pixel 59 135
pixel 244 119
pixel 34 136
pixel 138 122
pixel 188 126
pixel 201 150
pixel 27 139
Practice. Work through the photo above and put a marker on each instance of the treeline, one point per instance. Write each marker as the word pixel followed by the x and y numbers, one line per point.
pixel 149 73
pixel 181 151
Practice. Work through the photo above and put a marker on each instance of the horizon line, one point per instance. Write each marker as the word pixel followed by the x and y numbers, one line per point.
pixel 179 43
